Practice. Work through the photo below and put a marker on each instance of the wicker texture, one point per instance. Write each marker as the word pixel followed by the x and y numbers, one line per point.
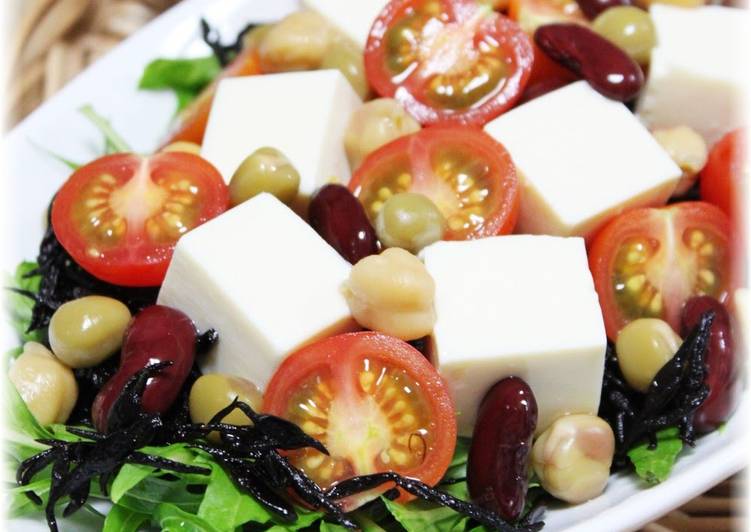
pixel 56 39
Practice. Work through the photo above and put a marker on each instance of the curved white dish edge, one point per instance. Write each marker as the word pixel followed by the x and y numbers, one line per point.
pixel 142 118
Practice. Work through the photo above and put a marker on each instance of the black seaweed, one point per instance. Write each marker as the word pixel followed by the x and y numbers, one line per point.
pixel 90 381
pixel 672 399
pixel 76 464
pixel 485 517
pixel 224 53
pixel 63 280
pixel 249 454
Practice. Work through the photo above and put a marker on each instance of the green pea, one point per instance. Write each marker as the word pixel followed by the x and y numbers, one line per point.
pixel 411 221
pixel 264 170
pixel 344 56
pixel 629 28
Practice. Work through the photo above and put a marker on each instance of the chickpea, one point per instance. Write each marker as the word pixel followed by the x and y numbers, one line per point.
pixel 643 347
pixel 298 42
pixel 572 457
pixel 47 386
pixel 184 146
pixel 410 221
pixel 344 56
pixel 376 123
pixel 689 151
pixel 86 331
pixel 214 391
pixel 392 293
pixel 264 170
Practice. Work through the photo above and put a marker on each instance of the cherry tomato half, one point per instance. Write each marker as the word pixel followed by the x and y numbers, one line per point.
pixel 120 216
pixel 374 402
pixel 647 262
pixel 720 180
pixel 468 175
pixel 448 61
pixel 191 124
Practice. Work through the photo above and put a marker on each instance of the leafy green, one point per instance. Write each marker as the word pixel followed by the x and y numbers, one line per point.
pixel 20 306
pixel 225 506
pixel 423 516
pixel 121 519
pixel 113 142
pixel 171 518
pixel 305 519
pixel 67 162
pixel 186 77
pixel 654 465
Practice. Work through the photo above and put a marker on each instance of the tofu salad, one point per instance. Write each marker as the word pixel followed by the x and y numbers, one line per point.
pixel 398 265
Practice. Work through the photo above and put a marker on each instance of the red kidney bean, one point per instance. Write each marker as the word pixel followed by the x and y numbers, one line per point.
pixel 592 8
pixel 606 67
pixel 723 364
pixel 339 217
pixel 156 334
pixel 501 443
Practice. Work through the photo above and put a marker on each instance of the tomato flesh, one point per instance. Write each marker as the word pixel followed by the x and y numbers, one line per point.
pixel 647 262
pixel 374 402
pixel 448 61
pixel 120 216
pixel 468 175
pixel 721 177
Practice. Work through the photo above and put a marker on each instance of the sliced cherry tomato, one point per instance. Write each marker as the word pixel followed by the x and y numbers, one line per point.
pixel 192 121
pixel 374 402
pixel 720 180
pixel 448 61
pixel 531 14
pixel 120 216
pixel 467 174
pixel 647 262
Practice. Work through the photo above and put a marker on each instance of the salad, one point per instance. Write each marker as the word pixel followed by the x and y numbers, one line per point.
pixel 485 262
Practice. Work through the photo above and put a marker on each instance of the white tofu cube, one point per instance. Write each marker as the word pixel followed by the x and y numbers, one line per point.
pixel 262 278
pixel 698 73
pixel 582 159
pixel 302 114
pixel 517 305
pixel 353 18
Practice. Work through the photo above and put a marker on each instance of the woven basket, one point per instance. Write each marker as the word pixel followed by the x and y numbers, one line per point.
pixel 56 39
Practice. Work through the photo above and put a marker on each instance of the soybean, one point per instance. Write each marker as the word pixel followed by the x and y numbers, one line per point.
pixel 46 385
pixel 86 331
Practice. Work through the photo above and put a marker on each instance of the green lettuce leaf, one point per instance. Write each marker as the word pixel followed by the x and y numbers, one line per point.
pixel 20 306
pixel 654 465
pixel 186 77
pixel 121 519
pixel 224 505
pixel 170 518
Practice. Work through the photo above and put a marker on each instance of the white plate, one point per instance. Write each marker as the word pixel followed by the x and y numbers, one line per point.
pixel 142 118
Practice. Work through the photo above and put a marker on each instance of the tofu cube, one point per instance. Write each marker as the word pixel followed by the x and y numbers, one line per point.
pixel 693 81
pixel 302 114
pixel 262 278
pixel 353 18
pixel 581 159
pixel 517 305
